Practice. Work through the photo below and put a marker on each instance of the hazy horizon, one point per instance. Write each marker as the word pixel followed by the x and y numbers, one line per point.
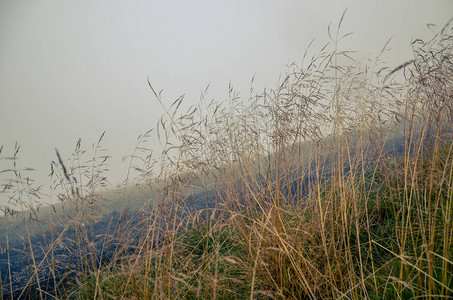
pixel 71 70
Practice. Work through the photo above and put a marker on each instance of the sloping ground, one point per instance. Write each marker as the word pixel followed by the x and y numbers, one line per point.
pixel 64 263
pixel 350 219
pixel 306 193
pixel 363 235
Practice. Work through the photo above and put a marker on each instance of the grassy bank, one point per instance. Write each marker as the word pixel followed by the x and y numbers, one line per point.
pixel 336 184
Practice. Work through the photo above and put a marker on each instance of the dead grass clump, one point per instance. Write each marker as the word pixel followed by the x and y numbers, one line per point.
pixel 336 184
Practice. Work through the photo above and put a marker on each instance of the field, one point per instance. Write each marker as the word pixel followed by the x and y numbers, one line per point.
pixel 338 183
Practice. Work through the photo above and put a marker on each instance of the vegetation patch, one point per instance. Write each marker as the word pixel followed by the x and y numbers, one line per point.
pixel 336 184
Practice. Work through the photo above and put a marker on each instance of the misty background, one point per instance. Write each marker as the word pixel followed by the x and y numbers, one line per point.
pixel 74 69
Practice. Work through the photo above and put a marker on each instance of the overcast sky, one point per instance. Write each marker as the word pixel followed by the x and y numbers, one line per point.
pixel 71 69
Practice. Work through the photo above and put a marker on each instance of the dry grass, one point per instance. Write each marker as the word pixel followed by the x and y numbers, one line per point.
pixel 337 184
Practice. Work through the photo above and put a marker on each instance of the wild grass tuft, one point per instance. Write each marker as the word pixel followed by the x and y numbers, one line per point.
pixel 336 184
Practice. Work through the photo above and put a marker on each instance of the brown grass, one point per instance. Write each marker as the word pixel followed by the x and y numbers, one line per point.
pixel 336 184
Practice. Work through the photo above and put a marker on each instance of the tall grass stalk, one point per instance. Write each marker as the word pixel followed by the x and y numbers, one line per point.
pixel 336 184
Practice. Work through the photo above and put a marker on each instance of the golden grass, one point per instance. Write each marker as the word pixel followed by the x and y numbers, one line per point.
pixel 337 184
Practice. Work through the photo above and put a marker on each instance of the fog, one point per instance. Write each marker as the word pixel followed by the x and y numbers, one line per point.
pixel 74 69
